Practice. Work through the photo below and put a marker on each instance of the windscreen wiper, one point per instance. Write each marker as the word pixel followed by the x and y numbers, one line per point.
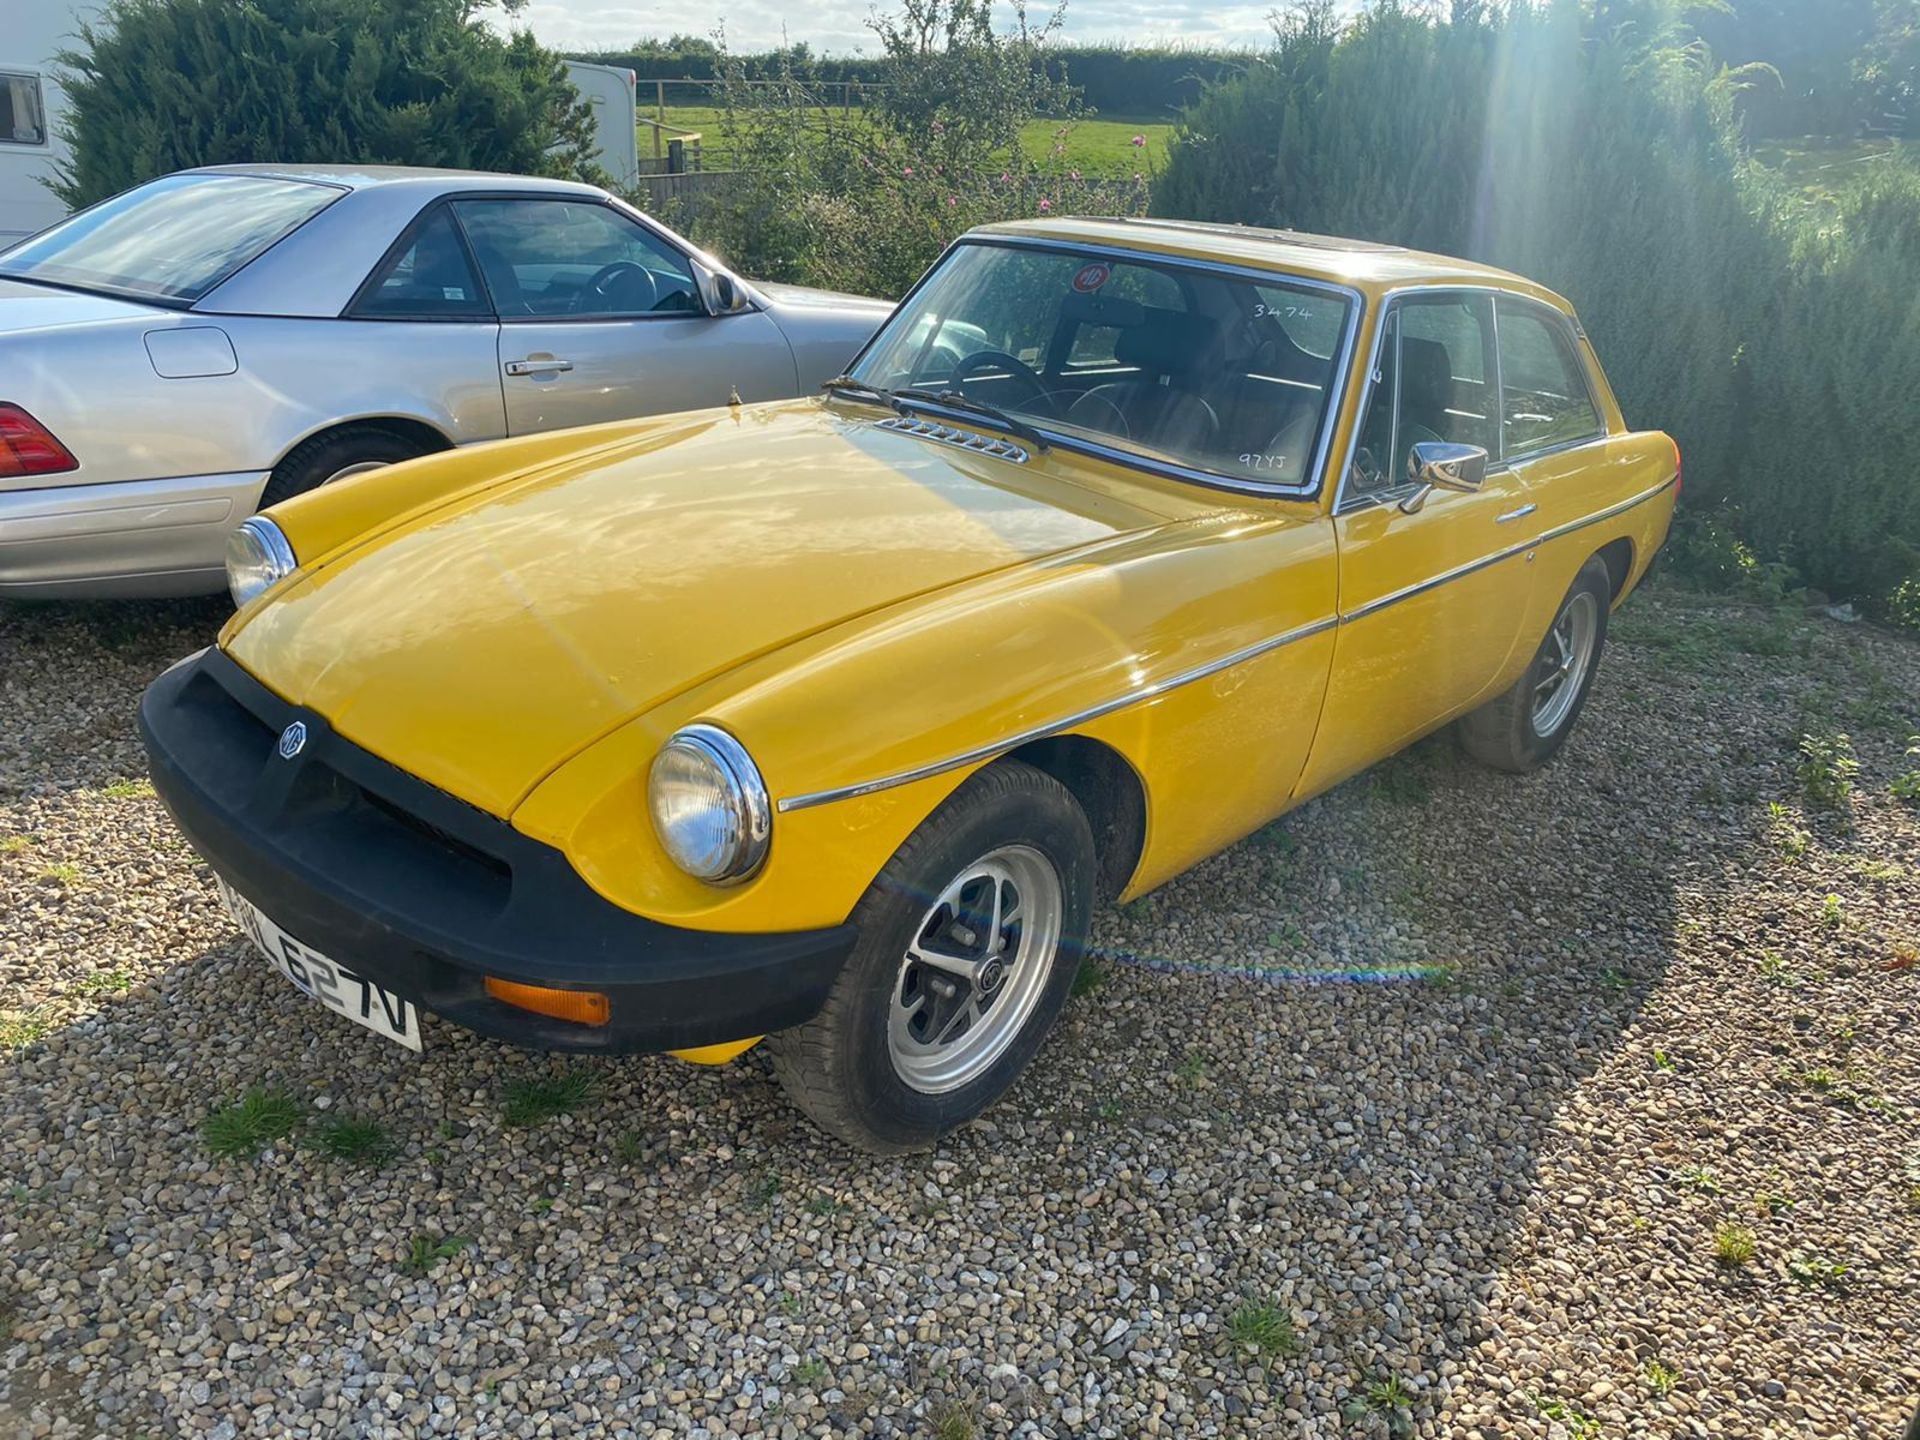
pixel 860 390
pixel 959 400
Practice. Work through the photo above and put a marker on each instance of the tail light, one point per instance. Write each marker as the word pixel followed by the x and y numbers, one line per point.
pixel 28 448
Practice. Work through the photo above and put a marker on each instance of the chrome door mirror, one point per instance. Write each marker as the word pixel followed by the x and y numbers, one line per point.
pixel 724 294
pixel 1442 465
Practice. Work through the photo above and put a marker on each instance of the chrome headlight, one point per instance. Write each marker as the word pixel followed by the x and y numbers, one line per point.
pixel 709 805
pixel 258 558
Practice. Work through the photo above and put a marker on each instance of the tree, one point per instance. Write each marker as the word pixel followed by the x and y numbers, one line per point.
pixel 161 85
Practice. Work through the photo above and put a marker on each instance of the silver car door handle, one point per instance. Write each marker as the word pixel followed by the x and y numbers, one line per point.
pixel 1512 515
pixel 538 367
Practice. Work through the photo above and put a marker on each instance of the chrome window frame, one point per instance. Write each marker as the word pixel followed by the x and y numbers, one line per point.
pixel 1346 503
pixel 1340 378
pixel 1555 319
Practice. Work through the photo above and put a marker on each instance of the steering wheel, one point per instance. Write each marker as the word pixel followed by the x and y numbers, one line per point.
pixel 602 283
pixel 1020 370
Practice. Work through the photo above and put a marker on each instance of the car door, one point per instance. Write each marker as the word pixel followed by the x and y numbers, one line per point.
pixel 601 318
pixel 1431 599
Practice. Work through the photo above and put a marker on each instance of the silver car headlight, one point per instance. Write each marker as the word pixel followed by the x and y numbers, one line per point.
pixel 709 805
pixel 258 558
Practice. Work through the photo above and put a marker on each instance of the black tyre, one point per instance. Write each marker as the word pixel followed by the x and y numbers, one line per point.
pixel 969 940
pixel 1526 726
pixel 332 456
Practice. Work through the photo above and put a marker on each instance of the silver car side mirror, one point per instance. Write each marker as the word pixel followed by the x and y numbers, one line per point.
pixel 1443 465
pixel 724 294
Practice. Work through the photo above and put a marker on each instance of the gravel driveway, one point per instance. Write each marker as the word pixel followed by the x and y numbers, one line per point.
pixel 1571 1106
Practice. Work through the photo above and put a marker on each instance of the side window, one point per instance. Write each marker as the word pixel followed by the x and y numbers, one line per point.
pixel 1436 355
pixel 1547 401
pixel 23 118
pixel 430 279
pixel 575 259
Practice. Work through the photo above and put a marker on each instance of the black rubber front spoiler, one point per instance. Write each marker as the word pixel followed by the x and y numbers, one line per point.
pixel 426 895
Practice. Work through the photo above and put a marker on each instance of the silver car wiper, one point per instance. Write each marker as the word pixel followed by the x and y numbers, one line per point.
pixel 960 400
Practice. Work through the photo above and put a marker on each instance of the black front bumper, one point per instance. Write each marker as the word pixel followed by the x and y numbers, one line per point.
pixel 426 896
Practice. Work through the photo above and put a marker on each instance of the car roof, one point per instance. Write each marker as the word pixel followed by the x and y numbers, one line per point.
pixel 1363 264
pixel 424 180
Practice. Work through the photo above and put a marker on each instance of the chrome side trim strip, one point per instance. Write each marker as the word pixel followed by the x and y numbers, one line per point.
pixel 1200 672
pixel 1462 571
pixel 1079 717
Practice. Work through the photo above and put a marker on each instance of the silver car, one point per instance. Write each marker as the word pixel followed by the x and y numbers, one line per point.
pixel 181 355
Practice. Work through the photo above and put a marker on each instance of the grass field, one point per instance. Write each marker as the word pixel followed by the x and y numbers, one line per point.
pixel 1102 146
pixel 1822 173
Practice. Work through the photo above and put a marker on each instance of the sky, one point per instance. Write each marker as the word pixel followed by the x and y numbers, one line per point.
pixel 839 26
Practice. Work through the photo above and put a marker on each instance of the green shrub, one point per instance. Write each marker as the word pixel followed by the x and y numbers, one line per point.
pixel 865 201
pixel 160 85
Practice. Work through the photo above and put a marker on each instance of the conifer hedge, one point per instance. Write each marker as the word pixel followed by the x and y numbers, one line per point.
pixel 1601 159
pixel 160 85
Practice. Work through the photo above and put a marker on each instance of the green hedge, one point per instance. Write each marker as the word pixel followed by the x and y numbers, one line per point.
pixel 1112 79
pixel 1606 166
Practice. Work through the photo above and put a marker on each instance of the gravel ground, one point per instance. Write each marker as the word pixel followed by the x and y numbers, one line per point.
pixel 1581 1105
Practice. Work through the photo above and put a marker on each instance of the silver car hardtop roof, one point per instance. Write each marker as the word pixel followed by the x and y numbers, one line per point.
pixel 315 271
pixel 427 180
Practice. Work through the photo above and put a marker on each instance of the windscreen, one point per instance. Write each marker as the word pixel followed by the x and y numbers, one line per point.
pixel 172 240
pixel 1208 369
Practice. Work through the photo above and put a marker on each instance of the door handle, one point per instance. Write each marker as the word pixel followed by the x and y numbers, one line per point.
pixel 1512 515
pixel 538 367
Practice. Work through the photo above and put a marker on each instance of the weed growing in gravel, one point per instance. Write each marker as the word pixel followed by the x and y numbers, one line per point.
pixel 1385 1396
pixel 1818 1272
pixel 424 1252
pixel 1733 1244
pixel 1868 868
pixel 1192 1068
pixel 62 873
pixel 105 982
pixel 1661 1378
pixel 1826 769
pixel 1907 786
pixel 1579 1425
pixel 810 1371
pixel 1774 970
pixel 1832 914
pixel 1697 1177
pixel 1088 978
pixel 1662 1060
pixel 20 1028
pixel 14 845
pixel 129 790
pixel 1792 840
pixel 766 1192
pixel 820 1203
pixel 1263 1328
pixel 540 1098
pixel 259 1117
pixel 953 1420
pixel 356 1141
pixel 627 1147
pixel 1772 1203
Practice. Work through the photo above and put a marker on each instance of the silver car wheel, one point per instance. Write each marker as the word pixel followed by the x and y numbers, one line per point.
pixel 1561 669
pixel 975 970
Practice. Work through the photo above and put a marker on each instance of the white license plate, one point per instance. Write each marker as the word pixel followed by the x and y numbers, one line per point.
pixel 328 981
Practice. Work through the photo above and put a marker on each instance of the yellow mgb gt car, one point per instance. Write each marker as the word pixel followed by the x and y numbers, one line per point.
pixel 829 721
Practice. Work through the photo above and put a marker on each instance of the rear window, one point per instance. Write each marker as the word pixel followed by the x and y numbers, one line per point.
pixel 171 240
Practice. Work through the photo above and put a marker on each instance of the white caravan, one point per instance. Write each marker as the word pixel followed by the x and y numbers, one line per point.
pixel 31 103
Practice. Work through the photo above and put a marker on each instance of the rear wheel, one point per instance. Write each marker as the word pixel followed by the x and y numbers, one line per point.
pixel 1526 726
pixel 969 940
pixel 350 450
